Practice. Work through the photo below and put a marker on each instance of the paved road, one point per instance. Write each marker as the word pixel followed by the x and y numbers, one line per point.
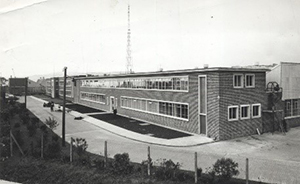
pixel 273 158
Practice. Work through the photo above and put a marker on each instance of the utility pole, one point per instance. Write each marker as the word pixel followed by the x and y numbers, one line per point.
pixel 64 110
pixel 26 88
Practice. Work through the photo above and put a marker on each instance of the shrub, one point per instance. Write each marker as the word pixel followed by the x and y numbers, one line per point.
pixel 81 146
pixel 167 170
pixel 226 168
pixel 144 166
pixel 52 123
pixel 98 163
pixel 121 164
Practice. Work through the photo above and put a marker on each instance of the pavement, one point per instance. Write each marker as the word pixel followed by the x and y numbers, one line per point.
pixel 187 141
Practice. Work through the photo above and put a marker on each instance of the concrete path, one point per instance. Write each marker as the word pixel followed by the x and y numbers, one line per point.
pixel 177 142
pixel 273 158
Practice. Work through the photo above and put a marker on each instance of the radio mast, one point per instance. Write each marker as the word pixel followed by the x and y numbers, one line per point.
pixel 129 58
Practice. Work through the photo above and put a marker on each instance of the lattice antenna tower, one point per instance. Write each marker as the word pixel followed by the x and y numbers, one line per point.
pixel 129 58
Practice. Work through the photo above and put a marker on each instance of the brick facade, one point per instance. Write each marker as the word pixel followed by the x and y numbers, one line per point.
pixel 220 94
pixel 240 96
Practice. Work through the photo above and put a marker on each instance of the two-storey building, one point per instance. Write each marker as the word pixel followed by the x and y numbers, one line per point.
pixel 221 103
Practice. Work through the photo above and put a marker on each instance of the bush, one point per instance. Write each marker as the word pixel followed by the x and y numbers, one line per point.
pixel 121 164
pixel 98 163
pixel 143 169
pixel 167 170
pixel 225 168
pixel 81 146
pixel 52 123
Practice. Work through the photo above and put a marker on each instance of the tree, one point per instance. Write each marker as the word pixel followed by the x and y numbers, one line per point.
pixel 226 168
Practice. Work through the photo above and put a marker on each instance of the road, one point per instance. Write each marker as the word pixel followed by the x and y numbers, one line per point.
pixel 272 158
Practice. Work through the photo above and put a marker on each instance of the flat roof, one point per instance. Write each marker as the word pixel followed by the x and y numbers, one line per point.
pixel 177 72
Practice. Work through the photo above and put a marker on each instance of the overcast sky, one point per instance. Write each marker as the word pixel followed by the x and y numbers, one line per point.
pixel 43 36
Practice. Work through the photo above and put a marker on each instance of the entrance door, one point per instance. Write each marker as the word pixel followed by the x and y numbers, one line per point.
pixel 112 103
pixel 202 99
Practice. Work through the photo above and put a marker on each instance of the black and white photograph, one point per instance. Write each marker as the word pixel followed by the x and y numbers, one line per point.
pixel 150 91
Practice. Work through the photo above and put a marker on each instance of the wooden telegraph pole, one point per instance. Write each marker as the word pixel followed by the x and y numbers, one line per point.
pixel 64 110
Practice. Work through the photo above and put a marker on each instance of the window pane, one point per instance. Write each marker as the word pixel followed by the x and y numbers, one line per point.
pixel 184 109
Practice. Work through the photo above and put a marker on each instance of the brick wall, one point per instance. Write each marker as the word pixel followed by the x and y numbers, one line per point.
pixel 220 95
pixel 185 97
pixel 240 96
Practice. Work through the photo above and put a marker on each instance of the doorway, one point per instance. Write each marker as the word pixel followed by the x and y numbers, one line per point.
pixel 112 104
pixel 202 106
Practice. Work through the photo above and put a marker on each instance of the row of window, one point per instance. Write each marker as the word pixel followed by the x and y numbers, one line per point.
pixel 173 109
pixel 68 93
pixel 239 80
pixel 68 82
pixel 244 112
pixel 162 83
pixel 95 97
pixel 292 107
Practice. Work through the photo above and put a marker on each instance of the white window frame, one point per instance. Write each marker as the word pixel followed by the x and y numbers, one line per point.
pixel 253 81
pixel 237 112
pixel 259 110
pixel 242 80
pixel 241 112
pixel 93 94
pixel 157 113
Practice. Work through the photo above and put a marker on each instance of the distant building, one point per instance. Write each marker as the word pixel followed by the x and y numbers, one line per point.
pixel 42 81
pixel 287 75
pixel 17 86
pixel 35 87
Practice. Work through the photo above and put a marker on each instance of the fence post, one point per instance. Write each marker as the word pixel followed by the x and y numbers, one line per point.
pixel 105 153
pixel 247 171
pixel 196 168
pixel 11 143
pixel 71 150
pixel 42 146
pixel 149 162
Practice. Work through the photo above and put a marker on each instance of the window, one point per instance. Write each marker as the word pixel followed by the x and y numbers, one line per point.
pixel 296 108
pixel 250 80
pixel 238 81
pixel 256 112
pixel 245 111
pixel 288 108
pixel 94 97
pixel 159 83
pixel 170 109
pixel 232 113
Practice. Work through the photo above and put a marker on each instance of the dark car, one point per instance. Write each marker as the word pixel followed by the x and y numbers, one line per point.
pixel 47 104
